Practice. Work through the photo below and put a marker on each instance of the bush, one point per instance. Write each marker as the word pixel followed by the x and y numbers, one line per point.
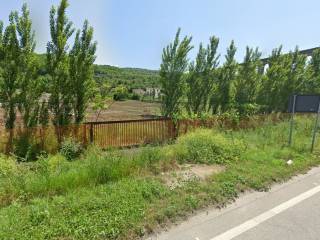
pixel 135 96
pixel 56 163
pixel 120 93
pixel 25 148
pixel 8 166
pixel 249 109
pixel 233 116
pixel 70 149
pixel 207 146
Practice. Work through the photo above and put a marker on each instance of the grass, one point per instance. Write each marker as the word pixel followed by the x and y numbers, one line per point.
pixel 121 195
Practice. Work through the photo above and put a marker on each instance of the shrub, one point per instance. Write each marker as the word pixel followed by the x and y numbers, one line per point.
pixel 56 163
pixel 8 166
pixel 70 149
pixel 135 96
pixel 207 146
pixel 233 116
pixel 249 109
pixel 25 148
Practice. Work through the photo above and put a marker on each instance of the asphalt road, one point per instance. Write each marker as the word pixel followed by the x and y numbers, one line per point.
pixel 288 211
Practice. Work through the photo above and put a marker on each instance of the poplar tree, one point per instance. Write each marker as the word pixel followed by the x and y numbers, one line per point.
pixel 312 83
pixel 1 49
pixel 275 81
pixel 172 74
pixel 201 78
pixel 82 57
pixel 29 81
pixel 1 38
pixel 60 88
pixel 227 78
pixel 248 79
pixel 297 76
pixel 9 81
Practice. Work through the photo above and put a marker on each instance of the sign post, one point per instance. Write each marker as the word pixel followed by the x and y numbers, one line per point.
pixel 292 120
pixel 315 129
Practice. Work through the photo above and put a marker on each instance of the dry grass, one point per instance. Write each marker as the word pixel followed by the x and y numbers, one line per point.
pixel 126 110
pixel 122 110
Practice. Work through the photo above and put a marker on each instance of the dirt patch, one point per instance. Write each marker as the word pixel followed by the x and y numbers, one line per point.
pixel 190 172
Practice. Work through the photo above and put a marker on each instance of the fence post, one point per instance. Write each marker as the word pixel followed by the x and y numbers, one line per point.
pixel 91 133
pixel 315 129
pixel 292 119
pixel 84 134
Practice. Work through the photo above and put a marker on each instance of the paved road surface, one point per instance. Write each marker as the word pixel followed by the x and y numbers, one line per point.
pixel 289 211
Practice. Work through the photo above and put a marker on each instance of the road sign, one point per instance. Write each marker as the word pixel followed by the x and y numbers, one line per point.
pixel 304 103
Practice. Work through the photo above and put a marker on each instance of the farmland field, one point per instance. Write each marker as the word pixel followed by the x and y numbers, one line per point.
pixel 126 110
pixel 122 110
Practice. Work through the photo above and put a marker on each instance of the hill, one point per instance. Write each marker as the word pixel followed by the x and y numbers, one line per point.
pixel 130 77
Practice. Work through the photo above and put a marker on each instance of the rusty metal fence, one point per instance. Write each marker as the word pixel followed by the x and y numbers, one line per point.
pixel 122 133
pixel 130 132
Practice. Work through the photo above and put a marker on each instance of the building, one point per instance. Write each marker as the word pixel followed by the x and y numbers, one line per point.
pixel 139 91
pixel 153 92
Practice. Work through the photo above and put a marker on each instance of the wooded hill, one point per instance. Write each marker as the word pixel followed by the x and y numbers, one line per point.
pixel 129 77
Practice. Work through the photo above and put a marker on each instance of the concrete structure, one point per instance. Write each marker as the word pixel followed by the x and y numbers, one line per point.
pixel 307 52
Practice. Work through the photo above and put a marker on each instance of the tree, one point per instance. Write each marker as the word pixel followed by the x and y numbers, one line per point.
pixel 312 83
pixel 120 93
pixel 1 47
pixel 227 78
pixel 1 51
pixel 82 57
pixel 58 65
pixel 44 114
pixel 248 79
pixel 201 78
pixel 9 84
pixel 172 73
pixel 29 81
pixel 274 84
pixel 297 77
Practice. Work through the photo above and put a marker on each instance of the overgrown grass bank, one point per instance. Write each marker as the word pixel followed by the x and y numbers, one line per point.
pixel 121 194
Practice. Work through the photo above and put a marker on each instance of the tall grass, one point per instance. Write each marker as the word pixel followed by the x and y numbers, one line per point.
pixel 118 194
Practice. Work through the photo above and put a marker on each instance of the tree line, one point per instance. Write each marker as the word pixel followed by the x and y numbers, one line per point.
pixel 68 82
pixel 204 86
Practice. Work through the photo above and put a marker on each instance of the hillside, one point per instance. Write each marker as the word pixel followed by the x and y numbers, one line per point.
pixel 130 77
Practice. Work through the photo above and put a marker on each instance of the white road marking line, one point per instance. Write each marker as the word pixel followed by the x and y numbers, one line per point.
pixel 236 231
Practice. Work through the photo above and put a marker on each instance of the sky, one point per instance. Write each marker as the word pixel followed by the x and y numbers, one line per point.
pixel 132 33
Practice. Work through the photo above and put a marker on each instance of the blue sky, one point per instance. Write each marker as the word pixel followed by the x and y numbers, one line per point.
pixel 132 33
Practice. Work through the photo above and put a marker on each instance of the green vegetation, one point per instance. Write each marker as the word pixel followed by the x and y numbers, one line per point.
pixel 66 76
pixel 204 87
pixel 207 147
pixel 200 80
pixel 130 77
pixel 124 194
pixel 174 64
pixel 121 194
pixel 70 73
